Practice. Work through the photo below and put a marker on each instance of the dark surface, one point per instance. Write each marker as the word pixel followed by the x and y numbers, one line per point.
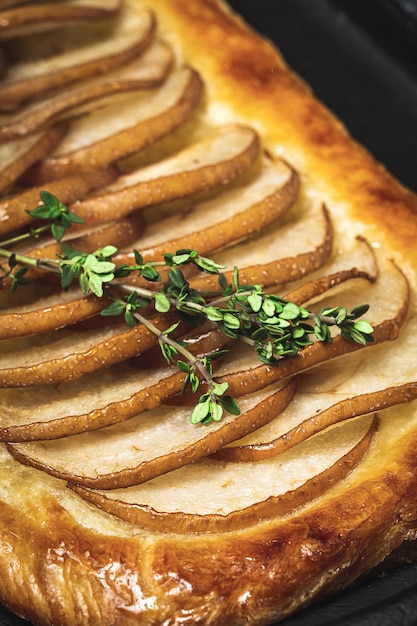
pixel 360 59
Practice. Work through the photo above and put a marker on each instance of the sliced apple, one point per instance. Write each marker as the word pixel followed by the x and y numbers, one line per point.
pixel 266 443
pixel 150 444
pixel 37 18
pixel 116 131
pixel 18 155
pixel 147 72
pixel 205 165
pixel 240 494
pixel 96 401
pixel 14 209
pixel 335 392
pixel 215 223
pixel 56 311
pixel 319 286
pixel 120 233
pixel 309 237
pixel 32 79
pixel 67 355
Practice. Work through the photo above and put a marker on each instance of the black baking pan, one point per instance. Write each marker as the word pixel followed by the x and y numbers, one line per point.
pixel 360 59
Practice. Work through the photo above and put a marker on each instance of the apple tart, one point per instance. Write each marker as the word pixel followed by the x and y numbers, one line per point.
pixel 172 125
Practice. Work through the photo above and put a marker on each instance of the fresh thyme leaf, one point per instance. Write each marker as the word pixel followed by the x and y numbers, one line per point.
pixel 183 367
pixel 358 311
pixel 220 389
pixel 255 301
pixel 56 213
pixel 18 278
pixel 114 308
pixel 58 231
pixel 363 327
pixel 200 411
pixel 230 405
pixel 162 303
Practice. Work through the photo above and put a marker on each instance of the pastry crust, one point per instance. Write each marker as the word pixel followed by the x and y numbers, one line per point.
pixel 65 562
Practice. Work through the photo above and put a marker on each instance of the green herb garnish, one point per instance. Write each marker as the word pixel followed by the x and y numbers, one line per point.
pixel 274 327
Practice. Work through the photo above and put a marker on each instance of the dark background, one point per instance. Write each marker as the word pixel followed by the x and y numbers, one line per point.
pixel 360 57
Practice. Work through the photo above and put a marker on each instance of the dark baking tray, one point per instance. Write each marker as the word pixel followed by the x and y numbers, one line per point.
pixel 360 59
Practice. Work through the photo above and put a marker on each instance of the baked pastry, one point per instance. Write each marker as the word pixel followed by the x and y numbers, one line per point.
pixel 307 502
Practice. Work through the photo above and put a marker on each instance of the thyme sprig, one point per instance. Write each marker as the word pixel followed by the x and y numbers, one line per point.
pixel 273 326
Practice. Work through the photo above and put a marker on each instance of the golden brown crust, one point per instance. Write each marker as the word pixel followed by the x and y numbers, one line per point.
pixel 77 565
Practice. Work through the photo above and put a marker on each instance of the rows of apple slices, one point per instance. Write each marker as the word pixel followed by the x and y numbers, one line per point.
pixel 128 394
pixel 27 20
pixel 34 73
pixel 72 386
pixel 276 487
pixel 68 353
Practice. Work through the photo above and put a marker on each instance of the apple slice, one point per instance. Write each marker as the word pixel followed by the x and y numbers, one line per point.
pixel 120 233
pixel 31 79
pixel 150 444
pixel 207 164
pixel 147 72
pixel 335 392
pixel 266 442
pixel 37 18
pixel 240 494
pixel 309 237
pixel 14 209
pixel 66 355
pixel 95 401
pixel 116 131
pixel 49 313
pixel 18 155
pixel 215 223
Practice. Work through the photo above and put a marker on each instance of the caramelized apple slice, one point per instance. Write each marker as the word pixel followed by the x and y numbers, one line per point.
pixel 96 401
pixel 67 355
pixel 266 442
pixel 217 222
pixel 31 79
pixel 153 443
pixel 18 155
pixel 110 134
pixel 14 209
pixel 207 164
pixel 37 18
pixel 357 263
pixel 309 237
pixel 240 494
pixel 52 312
pixel 147 72
pixel 120 233
pixel 335 392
